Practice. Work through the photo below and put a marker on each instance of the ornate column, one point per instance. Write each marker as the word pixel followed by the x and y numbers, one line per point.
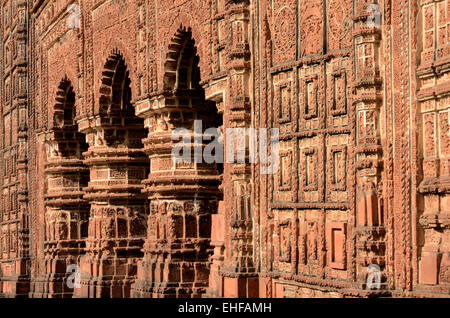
pixel 370 218
pixel 66 217
pixel 118 213
pixel 66 211
pixel 433 110
pixel 183 194
pixel 218 226
pixel 14 209
pixel 240 277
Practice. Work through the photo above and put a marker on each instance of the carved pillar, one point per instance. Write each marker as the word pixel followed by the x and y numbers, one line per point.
pixel 22 201
pixel 370 218
pixel 117 163
pixel 66 212
pixel 183 194
pixel 118 210
pixel 14 212
pixel 240 278
pixel 434 115
pixel 66 218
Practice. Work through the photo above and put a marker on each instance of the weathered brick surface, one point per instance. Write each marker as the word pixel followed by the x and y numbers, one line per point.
pixel 92 90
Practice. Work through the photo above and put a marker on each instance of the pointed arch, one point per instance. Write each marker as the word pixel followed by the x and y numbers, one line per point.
pixel 64 110
pixel 115 91
pixel 182 105
pixel 116 106
pixel 182 62
pixel 71 142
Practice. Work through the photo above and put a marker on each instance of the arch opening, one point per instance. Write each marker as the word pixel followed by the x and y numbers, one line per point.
pixel 72 143
pixel 118 166
pixel 116 108
pixel 183 194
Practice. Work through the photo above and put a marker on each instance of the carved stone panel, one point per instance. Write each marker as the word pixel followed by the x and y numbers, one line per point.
pixel 284 178
pixel 339 23
pixel 284 89
pixel 284 30
pixel 311 249
pixel 310 176
pixel 311 97
pixel 311 27
pixel 283 240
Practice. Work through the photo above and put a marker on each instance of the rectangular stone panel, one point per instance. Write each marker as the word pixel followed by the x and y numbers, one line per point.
pixel 337 168
pixel 339 24
pixel 284 179
pixel 284 30
pixel 336 247
pixel 310 97
pixel 283 238
pixel 284 101
pixel 310 242
pixel 310 169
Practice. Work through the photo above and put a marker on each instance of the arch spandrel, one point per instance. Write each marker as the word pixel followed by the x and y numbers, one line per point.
pixel 62 62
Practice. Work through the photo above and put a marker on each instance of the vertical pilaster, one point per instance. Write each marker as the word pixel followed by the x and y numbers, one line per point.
pixel 240 277
pixel 367 87
pixel 118 209
pixel 14 212
pixel 66 212
pixel 433 114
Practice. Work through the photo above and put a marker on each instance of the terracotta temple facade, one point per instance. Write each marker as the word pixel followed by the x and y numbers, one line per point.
pixel 93 90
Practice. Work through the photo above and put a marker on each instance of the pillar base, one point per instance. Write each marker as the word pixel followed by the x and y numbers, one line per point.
pixel 149 290
pixel 236 287
pixel 14 287
pixel 104 288
pixel 51 286
pixel 106 278
pixel 16 281
pixel 171 280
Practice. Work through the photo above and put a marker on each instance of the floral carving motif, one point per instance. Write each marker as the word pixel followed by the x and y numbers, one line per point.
pixel 311 35
pixel 284 29
pixel 339 19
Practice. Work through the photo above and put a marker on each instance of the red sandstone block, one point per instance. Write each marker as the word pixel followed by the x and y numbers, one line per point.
pixel 429 268
pixel 217 231
pixel 235 287
pixel 216 282
pixel 265 287
pixel 230 287
pixel 252 288
pixel 444 274
pixel 279 290
pixel 187 273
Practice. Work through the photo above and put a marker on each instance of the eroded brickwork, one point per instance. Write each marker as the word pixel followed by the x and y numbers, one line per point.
pixel 14 216
pixel 92 92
